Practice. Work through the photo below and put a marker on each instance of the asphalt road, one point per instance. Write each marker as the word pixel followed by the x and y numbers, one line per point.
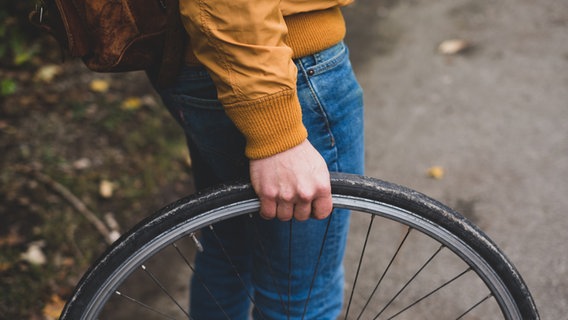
pixel 495 118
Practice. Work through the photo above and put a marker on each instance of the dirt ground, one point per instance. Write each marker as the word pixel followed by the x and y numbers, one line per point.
pixel 76 145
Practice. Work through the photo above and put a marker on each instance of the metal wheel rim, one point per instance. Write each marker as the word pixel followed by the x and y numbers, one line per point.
pixel 484 271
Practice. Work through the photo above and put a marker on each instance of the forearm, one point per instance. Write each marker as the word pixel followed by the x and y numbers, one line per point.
pixel 242 44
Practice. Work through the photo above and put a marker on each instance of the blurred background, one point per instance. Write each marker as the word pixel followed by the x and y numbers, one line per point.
pixel 467 101
pixel 83 156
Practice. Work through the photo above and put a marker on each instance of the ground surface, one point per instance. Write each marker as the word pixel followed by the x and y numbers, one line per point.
pixel 72 143
pixel 495 118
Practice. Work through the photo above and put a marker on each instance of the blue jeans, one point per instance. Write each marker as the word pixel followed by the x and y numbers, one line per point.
pixel 263 252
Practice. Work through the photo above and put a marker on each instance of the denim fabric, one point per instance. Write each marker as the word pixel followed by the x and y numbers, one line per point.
pixel 332 109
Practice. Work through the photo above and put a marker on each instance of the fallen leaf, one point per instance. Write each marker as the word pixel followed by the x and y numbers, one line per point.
pixel 12 238
pixel 68 262
pixel 53 309
pixel 436 172
pixel 106 189
pixel 47 73
pixel 51 98
pixel 82 163
pixel 34 255
pixel 149 100
pixel 453 46
pixel 99 85
pixel 5 266
pixel 131 103
pixel 27 100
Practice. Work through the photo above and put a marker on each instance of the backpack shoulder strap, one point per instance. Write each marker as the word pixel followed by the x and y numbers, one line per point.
pixel 174 46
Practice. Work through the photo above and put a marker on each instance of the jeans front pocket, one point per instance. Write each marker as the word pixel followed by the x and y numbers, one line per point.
pixel 332 107
pixel 212 137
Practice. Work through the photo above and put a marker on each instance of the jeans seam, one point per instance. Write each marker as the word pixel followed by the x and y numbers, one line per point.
pixel 324 114
pixel 318 102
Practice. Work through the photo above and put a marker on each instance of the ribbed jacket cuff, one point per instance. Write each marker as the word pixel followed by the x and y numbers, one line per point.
pixel 270 125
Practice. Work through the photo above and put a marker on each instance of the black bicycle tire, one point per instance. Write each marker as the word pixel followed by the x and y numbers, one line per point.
pixel 342 184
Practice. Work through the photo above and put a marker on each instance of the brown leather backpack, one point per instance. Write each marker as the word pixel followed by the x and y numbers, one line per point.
pixel 117 35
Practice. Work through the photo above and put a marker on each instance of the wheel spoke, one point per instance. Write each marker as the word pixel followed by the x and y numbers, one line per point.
pixel 474 306
pixel 237 273
pixel 164 290
pixel 267 261
pixel 317 264
pixel 200 279
pixel 409 281
pixel 359 265
pixel 385 272
pixel 142 304
pixel 430 293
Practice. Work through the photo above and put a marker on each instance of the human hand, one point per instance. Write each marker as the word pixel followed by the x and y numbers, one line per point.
pixel 294 183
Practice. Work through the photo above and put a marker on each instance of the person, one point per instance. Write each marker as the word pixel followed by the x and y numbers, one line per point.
pixel 267 92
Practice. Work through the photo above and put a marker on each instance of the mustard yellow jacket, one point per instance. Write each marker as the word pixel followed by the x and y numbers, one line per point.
pixel 248 47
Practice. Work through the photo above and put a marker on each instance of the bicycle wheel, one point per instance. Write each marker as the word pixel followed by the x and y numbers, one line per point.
pixel 407 257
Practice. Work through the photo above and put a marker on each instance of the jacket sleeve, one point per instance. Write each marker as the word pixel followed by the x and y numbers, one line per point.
pixel 242 44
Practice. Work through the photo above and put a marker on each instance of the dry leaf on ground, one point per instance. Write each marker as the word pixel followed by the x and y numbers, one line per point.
pixel 52 310
pixel 47 73
pixel 106 189
pixel 131 103
pixel 453 46
pixel 436 172
pixel 34 255
pixel 99 85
